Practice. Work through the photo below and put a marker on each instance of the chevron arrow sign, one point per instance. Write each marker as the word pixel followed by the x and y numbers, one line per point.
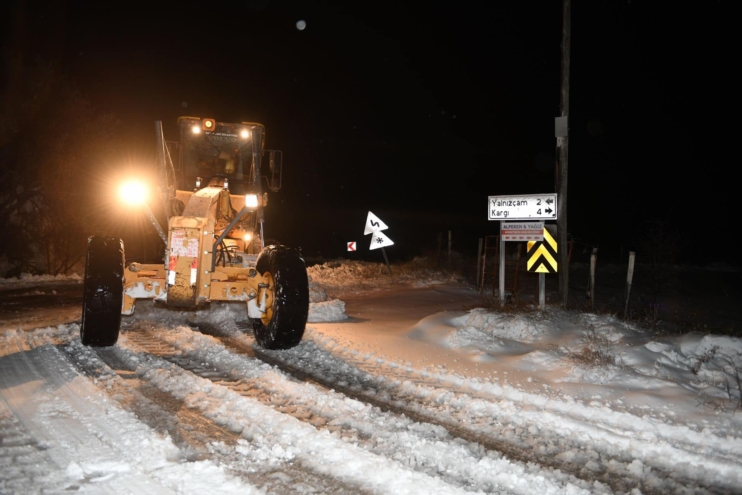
pixel 542 255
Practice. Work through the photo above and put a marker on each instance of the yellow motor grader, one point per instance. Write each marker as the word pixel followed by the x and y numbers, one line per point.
pixel 213 196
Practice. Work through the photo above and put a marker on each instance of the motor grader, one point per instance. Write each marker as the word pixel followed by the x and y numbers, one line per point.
pixel 211 188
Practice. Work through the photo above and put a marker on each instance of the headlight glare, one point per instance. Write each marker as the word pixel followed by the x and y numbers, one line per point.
pixel 133 193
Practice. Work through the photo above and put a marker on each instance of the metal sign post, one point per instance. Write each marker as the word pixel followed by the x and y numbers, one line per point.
pixel 542 259
pixel 534 208
pixel 516 231
pixel 502 267
pixel 541 290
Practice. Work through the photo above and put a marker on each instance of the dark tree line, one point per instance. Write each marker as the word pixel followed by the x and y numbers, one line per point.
pixel 55 150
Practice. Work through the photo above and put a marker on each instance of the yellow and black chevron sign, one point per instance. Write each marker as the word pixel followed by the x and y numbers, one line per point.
pixel 542 255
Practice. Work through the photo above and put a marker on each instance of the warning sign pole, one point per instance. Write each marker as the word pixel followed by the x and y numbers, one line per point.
pixel 541 290
pixel 389 267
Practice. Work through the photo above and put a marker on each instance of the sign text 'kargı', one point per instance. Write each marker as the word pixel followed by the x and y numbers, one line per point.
pixel 526 207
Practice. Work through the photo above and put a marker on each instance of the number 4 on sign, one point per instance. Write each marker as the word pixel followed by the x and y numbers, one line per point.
pixel 379 240
pixel 373 224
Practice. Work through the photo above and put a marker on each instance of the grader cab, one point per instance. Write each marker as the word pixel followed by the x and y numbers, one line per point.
pixel 211 191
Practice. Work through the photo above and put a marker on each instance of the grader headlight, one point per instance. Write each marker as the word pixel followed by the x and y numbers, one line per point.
pixel 251 200
pixel 133 193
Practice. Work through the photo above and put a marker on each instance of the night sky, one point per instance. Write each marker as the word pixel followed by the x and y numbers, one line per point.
pixel 418 112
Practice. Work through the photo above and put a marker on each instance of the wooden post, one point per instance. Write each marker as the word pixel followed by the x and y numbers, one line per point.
pixel 562 153
pixel 629 277
pixel 479 260
pixel 484 268
pixel 449 247
pixel 593 262
pixel 502 270
pixel 440 246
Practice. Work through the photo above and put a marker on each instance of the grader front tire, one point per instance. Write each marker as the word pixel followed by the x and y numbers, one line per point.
pixel 287 298
pixel 103 291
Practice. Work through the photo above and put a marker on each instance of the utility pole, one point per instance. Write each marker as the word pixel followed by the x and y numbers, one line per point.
pixel 562 153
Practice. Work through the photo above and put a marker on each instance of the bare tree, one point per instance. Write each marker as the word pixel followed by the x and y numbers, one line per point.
pixel 54 146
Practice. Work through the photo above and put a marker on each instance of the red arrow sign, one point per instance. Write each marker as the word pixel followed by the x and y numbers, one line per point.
pixel 352 246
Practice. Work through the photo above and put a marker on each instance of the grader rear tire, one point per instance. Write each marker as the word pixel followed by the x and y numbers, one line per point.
pixel 103 291
pixel 282 327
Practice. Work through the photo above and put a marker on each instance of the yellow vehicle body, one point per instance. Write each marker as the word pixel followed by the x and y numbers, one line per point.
pixel 188 279
pixel 214 242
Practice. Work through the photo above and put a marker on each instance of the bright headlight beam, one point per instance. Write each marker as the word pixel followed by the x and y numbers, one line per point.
pixel 245 134
pixel 251 200
pixel 133 193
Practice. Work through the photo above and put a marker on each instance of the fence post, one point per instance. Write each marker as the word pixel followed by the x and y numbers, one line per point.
pixel 440 245
pixel 629 277
pixel 479 260
pixel 593 262
pixel 449 247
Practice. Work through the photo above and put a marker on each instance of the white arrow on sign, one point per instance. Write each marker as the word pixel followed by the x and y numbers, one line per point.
pixel 380 240
pixel 373 224
pixel 352 246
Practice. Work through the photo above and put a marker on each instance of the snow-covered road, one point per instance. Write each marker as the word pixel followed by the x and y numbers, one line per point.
pixel 411 389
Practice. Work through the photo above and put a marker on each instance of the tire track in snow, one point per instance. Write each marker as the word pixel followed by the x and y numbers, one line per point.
pixel 24 465
pixel 423 446
pixel 512 428
pixel 199 437
pixel 396 389
pixel 267 435
pixel 92 443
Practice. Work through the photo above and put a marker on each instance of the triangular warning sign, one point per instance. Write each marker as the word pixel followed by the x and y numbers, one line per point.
pixel 373 224
pixel 379 240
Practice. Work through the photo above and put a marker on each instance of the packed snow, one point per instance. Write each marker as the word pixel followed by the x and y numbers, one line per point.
pixel 28 280
pixel 433 389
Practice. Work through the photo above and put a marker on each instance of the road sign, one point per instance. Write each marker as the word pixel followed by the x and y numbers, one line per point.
pixel 373 224
pixel 527 207
pixel 379 240
pixel 522 231
pixel 352 246
pixel 542 256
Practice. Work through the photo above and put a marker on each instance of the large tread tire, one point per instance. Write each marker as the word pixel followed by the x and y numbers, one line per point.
pixel 103 292
pixel 290 302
